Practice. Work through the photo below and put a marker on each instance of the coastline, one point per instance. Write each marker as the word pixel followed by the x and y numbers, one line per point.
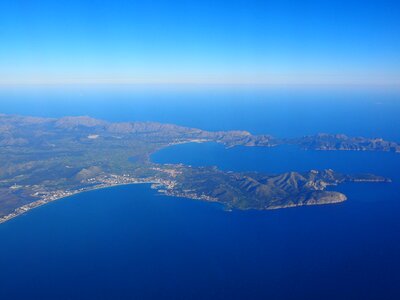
pixel 154 184
pixel 41 202
pixel 164 187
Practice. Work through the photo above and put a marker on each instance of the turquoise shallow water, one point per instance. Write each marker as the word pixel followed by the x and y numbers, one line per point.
pixel 130 243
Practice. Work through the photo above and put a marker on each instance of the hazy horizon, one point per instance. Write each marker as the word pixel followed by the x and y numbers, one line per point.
pixel 340 43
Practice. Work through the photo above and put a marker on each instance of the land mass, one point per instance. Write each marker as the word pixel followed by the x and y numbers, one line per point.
pixel 45 159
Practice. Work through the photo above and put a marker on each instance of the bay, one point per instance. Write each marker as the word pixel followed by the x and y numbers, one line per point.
pixel 128 242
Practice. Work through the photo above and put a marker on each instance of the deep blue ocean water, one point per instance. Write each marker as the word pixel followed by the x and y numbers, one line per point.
pixel 130 243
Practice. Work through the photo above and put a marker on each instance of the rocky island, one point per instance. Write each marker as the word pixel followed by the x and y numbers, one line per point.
pixel 45 159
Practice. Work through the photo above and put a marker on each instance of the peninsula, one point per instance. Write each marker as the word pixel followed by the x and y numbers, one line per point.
pixel 45 159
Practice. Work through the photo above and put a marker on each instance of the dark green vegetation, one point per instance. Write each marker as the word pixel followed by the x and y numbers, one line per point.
pixel 44 159
pixel 260 191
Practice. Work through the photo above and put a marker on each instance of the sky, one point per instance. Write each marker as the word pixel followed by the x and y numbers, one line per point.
pixel 200 42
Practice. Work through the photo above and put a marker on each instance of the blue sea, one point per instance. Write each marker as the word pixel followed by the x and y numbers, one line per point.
pixel 128 242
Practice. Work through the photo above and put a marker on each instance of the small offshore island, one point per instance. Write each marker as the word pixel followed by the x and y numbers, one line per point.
pixel 45 159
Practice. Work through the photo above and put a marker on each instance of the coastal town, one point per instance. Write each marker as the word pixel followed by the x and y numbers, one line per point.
pixel 99 182
pixel 46 159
